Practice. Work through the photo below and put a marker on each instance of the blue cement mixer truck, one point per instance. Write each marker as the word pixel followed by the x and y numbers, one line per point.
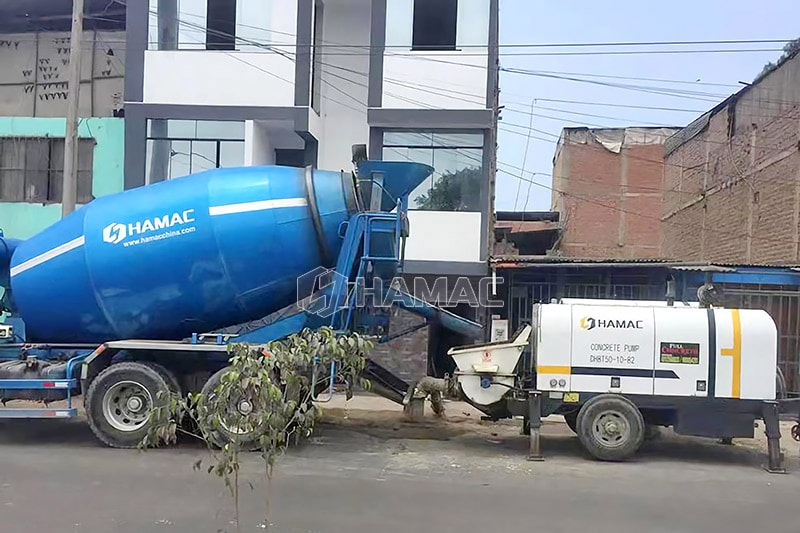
pixel 139 291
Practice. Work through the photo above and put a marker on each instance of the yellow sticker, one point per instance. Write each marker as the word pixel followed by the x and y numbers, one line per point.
pixel 571 397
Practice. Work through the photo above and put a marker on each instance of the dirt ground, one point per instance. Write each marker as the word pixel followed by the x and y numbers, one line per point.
pixel 380 418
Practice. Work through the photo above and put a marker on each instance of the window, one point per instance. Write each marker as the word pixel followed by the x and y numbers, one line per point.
pixel 211 24
pixel 177 148
pixel 434 25
pixel 221 27
pixel 32 169
pixel 457 159
pixel 289 157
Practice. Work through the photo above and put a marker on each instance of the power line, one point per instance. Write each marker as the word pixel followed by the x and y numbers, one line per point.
pixel 619 119
pixel 707 97
pixel 637 78
pixel 630 106
pixel 524 45
pixel 652 43
pixel 661 162
pixel 635 52
pixel 525 158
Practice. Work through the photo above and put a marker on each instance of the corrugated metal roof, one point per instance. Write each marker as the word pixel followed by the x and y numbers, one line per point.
pixel 697 266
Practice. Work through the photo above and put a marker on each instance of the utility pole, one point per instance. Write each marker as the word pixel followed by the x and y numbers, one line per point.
pixel 161 147
pixel 70 181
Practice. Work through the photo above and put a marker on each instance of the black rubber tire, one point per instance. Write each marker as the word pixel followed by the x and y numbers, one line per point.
pixel 144 375
pixel 571 419
pixel 622 407
pixel 169 377
pixel 218 436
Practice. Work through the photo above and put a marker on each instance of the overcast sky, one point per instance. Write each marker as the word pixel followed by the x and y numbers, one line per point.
pixel 710 77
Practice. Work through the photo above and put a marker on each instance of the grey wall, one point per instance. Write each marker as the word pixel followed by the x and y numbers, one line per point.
pixel 34 69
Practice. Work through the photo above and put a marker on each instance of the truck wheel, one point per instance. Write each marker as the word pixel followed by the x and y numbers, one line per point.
pixel 571 419
pixel 239 421
pixel 168 376
pixel 610 427
pixel 119 402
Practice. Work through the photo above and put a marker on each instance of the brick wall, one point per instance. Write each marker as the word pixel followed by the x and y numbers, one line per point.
pixel 422 352
pixel 406 356
pixel 732 188
pixel 610 198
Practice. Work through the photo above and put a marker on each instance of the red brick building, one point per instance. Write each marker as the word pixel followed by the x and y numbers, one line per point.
pixel 732 177
pixel 607 186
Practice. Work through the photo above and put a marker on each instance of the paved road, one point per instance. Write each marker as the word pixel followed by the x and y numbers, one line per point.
pixel 54 477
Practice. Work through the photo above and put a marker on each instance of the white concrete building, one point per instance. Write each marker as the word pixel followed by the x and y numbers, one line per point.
pixel 298 82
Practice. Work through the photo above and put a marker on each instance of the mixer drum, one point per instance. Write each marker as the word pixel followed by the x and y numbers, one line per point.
pixel 193 254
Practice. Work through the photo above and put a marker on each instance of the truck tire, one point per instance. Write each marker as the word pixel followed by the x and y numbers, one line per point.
pixel 610 427
pixel 119 402
pixel 221 431
pixel 170 378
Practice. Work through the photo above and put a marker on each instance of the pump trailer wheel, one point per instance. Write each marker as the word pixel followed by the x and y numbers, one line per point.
pixel 119 402
pixel 610 427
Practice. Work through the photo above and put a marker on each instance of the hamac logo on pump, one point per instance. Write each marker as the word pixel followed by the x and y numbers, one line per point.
pixel 589 323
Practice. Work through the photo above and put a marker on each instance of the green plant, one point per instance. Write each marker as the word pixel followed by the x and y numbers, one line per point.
pixel 262 401
pixel 788 49
pixel 454 191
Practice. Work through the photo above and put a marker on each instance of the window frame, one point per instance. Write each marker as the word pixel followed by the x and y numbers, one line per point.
pixel 419 8
pixel 478 146
pixel 197 138
pixel 54 170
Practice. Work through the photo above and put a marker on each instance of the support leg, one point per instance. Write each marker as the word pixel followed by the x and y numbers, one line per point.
pixel 773 430
pixel 535 422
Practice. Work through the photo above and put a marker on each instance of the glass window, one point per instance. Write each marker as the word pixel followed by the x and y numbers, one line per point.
pixel 177 148
pixel 457 159
pixel 231 154
pixel 211 25
pixel 216 129
pixel 434 26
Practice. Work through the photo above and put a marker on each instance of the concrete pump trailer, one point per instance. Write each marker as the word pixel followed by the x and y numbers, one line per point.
pixel 613 369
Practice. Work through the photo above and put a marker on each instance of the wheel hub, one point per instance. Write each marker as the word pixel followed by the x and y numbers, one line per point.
pixel 611 429
pixel 245 407
pixel 135 404
pixel 126 405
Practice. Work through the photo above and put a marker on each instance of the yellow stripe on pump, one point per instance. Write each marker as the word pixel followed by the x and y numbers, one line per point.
pixel 553 369
pixel 736 353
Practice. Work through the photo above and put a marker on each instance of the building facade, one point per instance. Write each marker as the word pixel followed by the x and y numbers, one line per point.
pixel 607 190
pixel 34 54
pixel 732 177
pixel 215 83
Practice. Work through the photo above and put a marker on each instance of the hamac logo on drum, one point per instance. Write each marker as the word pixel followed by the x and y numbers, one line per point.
pixel 115 233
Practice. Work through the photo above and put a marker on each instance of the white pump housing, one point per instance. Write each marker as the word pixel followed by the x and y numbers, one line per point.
pixel 655 350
